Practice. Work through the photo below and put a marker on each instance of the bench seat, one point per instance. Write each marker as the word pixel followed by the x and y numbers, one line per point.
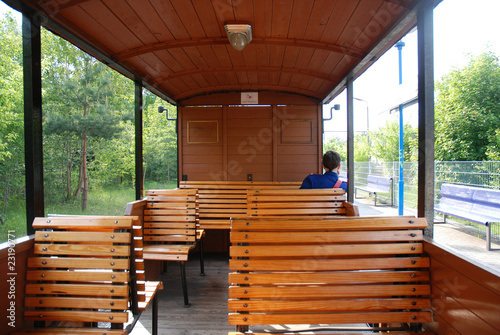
pixel 86 270
pixel 377 184
pixel 299 203
pixel 169 224
pixel 333 272
pixel 219 201
pixel 473 204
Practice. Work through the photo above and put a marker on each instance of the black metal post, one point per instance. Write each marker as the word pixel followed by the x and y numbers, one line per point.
pixel 350 139
pixel 33 121
pixel 155 315
pixel 184 285
pixel 139 181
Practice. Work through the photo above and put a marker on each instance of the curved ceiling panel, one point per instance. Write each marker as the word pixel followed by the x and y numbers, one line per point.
pixel 179 48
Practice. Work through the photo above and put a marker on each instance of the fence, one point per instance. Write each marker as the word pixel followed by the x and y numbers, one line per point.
pixel 479 174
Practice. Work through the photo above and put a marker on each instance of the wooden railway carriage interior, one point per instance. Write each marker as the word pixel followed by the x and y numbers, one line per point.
pixel 251 113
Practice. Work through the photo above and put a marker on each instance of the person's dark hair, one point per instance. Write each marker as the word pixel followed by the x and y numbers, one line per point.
pixel 331 160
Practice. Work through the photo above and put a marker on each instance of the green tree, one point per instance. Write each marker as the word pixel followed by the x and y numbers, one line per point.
pixel 79 90
pixel 361 148
pixel 468 111
pixel 385 142
pixel 160 141
pixel 493 149
pixel 11 116
pixel 338 145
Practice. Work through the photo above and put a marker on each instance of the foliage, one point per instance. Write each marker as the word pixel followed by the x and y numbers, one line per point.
pixel 160 142
pixel 385 142
pixel 468 111
pixel 11 118
pixel 338 145
pixel 361 148
pixel 493 148
pixel 82 98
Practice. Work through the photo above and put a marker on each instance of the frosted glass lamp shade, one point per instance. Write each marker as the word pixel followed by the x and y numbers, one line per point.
pixel 239 35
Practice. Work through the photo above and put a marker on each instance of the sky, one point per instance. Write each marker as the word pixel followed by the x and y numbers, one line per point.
pixel 461 28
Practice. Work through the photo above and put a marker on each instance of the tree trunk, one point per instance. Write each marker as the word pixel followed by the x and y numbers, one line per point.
pixel 3 215
pixel 85 180
pixel 69 166
pixel 79 188
pixel 168 168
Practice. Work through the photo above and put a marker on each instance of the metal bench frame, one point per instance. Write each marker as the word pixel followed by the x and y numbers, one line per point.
pixel 461 201
pixel 377 184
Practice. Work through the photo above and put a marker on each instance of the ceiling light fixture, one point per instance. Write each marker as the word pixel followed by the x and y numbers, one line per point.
pixel 239 35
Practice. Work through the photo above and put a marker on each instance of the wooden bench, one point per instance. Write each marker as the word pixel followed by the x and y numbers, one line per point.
pixel 321 273
pixel 219 201
pixel 377 184
pixel 83 275
pixel 306 202
pixel 479 205
pixel 169 218
pixel 146 290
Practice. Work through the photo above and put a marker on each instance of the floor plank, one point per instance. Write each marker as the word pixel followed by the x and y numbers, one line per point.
pixel 208 296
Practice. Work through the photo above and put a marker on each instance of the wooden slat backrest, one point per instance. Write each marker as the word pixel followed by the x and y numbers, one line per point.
pixel 219 201
pixel 82 270
pixel 170 216
pixel 328 271
pixel 309 202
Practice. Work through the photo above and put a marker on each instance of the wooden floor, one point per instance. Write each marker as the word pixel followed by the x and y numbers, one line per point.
pixel 208 297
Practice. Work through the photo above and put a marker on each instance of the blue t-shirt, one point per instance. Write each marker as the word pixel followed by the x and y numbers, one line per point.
pixel 326 180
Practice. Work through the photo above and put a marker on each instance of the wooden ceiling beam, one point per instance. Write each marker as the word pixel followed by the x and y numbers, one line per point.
pixel 54 6
pixel 242 88
pixel 260 69
pixel 402 3
pixel 353 52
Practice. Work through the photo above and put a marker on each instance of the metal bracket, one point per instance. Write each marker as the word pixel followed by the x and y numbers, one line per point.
pixel 161 109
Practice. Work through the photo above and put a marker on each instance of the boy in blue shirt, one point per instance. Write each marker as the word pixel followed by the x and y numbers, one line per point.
pixel 330 179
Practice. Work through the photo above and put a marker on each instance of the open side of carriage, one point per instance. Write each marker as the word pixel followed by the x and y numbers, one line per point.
pixel 251 114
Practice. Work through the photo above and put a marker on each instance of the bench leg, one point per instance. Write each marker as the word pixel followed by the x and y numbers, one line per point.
pixel 184 285
pixel 488 236
pixel 202 259
pixel 241 328
pixel 154 329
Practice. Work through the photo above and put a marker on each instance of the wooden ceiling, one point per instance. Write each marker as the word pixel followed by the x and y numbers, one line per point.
pixel 179 49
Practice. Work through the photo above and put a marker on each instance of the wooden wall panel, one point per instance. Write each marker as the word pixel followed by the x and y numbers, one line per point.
pixel 272 143
pixel 249 138
pixel 465 295
pixel 298 147
pixel 17 276
pixel 202 149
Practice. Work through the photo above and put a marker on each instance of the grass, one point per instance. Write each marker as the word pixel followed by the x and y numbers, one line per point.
pixel 101 201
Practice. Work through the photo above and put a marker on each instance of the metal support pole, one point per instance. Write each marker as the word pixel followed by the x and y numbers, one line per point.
pixel 32 71
pixel 401 201
pixel 139 181
pixel 426 113
pixel 350 139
